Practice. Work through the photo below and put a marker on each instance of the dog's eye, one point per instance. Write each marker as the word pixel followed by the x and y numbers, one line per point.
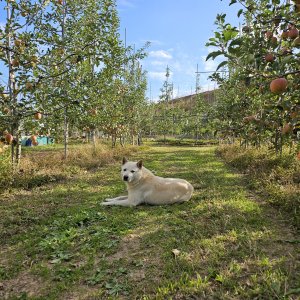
pixel 124 170
pixel 132 171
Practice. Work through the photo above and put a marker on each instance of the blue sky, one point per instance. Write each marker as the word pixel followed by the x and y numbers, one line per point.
pixel 178 31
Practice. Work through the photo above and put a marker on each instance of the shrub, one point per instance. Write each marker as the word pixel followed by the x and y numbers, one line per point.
pixel 277 178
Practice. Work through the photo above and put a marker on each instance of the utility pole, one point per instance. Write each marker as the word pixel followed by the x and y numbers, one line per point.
pixel 197 80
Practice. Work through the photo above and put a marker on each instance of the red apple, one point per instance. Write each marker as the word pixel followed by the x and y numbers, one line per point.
pixel 6 110
pixel 269 34
pixel 287 128
pixel 15 62
pixel 293 33
pixel 9 138
pixel 37 115
pixel 285 34
pixel 278 85
pixel 269 57
pixel 274 40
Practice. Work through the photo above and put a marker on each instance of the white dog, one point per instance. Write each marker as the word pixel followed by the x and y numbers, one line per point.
pixel 144 187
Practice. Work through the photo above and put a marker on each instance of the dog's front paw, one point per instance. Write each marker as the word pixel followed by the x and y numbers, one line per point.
pixel 108 199
pixel 105 202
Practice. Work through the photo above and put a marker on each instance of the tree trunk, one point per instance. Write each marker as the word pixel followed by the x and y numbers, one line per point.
pixel 66 133
pixel 113 140
pixel 93 137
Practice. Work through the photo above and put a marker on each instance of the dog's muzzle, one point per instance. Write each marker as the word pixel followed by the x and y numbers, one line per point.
pixel 125 178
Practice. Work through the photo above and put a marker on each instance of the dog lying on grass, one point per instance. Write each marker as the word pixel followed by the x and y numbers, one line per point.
pixel 144 187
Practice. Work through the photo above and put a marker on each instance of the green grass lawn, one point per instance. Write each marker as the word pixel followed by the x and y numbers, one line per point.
pixel 57 242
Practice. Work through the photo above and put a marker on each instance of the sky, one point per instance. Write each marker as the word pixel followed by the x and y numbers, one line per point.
pixel 178 31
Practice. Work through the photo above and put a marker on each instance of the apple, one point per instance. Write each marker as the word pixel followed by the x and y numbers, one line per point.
pixel 37 115
pixel 269 57
pixel 293 33
pixel 9 138
pixel 274 40
pixel 294 114
pixel 284 34
pixel 18 42
pixel 269 34
pixel 28 86
pixel 278 86
pixel 287 128
pixel 93 112
pixel 6 110
pixel 15 62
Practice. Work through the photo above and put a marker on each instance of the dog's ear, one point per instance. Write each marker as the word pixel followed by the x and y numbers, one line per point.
pixel 139 164
pixel 124 161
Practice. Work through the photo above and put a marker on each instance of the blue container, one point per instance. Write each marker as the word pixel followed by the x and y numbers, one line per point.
pixel 42 140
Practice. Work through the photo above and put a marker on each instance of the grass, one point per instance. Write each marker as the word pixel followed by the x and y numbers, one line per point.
pixel 275 178
pixel 57 242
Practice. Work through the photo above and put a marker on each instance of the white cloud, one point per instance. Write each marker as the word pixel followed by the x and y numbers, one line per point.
pixel 162 54
pixel 158 75
pixel 157 63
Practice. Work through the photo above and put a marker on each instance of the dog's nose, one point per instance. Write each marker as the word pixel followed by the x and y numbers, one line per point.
pixel 125 178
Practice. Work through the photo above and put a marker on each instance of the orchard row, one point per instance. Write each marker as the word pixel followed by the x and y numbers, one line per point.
pixel 259 99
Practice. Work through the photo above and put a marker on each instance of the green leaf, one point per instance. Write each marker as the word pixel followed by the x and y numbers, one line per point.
pixel 240 12
pixel 237 41
pixel 222 64
pixel 232 2
pixel 229 34
pixel 214 54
